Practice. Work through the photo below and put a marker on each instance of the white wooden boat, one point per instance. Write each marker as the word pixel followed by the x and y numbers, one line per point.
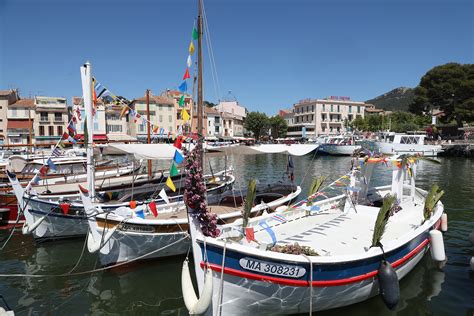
pixel 399 144
pixel 121 235
pixel 339 146
pixel 251 277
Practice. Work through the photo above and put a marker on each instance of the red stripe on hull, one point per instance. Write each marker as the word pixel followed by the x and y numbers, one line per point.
pixel 339 282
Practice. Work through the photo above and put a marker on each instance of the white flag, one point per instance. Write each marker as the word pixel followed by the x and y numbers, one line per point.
pixel 164 196
pixel 189 61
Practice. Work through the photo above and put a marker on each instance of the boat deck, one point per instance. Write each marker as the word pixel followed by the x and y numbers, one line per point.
pixel 337 233
pixel 181 213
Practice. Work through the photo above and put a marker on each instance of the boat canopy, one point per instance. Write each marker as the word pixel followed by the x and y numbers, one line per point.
pixel 141 151
pixel 294 149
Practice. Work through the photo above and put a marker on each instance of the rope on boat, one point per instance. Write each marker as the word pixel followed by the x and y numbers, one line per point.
pixel 310 284
pixel 221 284
pixel 16 275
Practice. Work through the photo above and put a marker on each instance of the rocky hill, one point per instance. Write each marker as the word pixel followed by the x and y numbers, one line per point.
pixel 396 100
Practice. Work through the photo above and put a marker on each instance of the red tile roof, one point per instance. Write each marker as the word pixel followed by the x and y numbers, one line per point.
pixel 19 124
pixel 24 103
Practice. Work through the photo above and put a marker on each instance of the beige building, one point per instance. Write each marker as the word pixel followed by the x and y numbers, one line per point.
pixel 233 116
pixel 51 118
pixel 314 117
pixel 100 132
pixel 214 122
pixel 162 114
pixel 118 128
pixel 6 97
pixel 188 102
pixel 20 116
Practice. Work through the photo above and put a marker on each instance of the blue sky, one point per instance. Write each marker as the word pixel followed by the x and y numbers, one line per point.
pixel 269 53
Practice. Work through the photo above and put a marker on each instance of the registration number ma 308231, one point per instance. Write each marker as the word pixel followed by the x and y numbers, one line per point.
pixel 284 270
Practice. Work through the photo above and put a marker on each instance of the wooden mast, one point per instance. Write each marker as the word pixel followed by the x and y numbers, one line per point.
pixel 148 127
pixel 200 93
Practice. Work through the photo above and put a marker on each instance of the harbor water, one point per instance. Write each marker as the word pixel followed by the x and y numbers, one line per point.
pixel 154 287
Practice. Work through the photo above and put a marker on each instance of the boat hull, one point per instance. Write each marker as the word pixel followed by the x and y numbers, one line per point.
pixel 337 150
pixel 245 291
pixel 401 149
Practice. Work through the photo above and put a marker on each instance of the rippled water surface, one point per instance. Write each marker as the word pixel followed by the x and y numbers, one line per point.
pixel 153 287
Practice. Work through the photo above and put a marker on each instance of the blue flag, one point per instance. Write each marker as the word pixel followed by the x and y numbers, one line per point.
pixel 178 158
pixel 183 87
pixel 51 165
pixel 140 213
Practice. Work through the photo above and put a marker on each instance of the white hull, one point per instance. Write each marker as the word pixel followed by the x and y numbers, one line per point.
pixel 401 149
pixel 246 296
pixel 339 150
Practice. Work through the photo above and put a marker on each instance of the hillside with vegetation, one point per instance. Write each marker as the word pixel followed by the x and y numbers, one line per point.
pixel 398 99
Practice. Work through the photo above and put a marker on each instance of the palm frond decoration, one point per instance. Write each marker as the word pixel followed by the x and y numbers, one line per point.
pixel 249 200
pixel 382 219
pixel 431 200
pixel 314 187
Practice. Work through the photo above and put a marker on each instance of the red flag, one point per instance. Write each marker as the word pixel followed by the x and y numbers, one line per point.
pixel 83 190
pixel 133 204
pixel 249 234
pixel 152 207
pixel 186 75
pixel 65 135
pixel 177 142
pixel 64 207
pixel 44 170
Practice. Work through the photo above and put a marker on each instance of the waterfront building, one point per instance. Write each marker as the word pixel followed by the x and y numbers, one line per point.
pixel 20 117
pixel 100 130
pixel 7 97
pixel 233 116
pixel 51 117
pixel 118 128
pixel 188 101
pixel 288 116
pixel 214 119
pixel 162 114
pixel 314 117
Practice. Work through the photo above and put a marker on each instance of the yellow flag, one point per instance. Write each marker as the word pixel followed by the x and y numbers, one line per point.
pixel 191 48
pixel 184 115
pixel 170 184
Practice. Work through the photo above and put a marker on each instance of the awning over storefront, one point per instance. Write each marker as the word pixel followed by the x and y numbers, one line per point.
pixel 19 124
pixel 97 137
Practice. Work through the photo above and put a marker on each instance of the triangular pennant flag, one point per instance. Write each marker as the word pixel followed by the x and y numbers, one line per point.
pixel 133 204
pixel 140 213
pixel 189 62
pixel 43 170
pixel 65 207
pixel 170 184
pixel 249 234
pixel 177 143
pixel 65 135
pixel 164 196
pixel 124 111
pixel 178 158
pixel 184 115
pixel 155 129
pixel 173 171
pixel 183 87
pixel 191 48
pixel 186 74
pixel 195 34
pixel 181 101
pixel 152 207
pixel 36 179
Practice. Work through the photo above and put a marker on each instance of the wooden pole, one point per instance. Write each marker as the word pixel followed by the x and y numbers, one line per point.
pixel 200 92
pixel 148 128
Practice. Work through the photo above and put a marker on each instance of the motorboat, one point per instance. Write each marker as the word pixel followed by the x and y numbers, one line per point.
pixel 399 144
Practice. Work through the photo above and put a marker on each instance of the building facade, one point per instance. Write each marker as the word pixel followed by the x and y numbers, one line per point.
pixel 50 120
pixel 162 114
pixel 20 116
pixel 233 116
pixel 214 122
pixel 314 117
pixel 7 97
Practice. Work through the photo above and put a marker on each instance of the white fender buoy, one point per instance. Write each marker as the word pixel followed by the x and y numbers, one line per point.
pixel 194 305
pixel 27 229
pixel 444 222
pixel 437 245
pixel 94 246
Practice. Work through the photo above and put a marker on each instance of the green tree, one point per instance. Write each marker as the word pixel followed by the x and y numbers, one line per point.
pixel 257 123
pixel 209 104
pixel 359 123
pixel 279 126
pixel 450 88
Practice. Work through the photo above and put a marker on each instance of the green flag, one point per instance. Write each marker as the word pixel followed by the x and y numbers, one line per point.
pixel 181 101
pixel 195 34
pixel 173 170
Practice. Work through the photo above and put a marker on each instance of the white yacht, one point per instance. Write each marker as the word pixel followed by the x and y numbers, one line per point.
pixel 399 144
